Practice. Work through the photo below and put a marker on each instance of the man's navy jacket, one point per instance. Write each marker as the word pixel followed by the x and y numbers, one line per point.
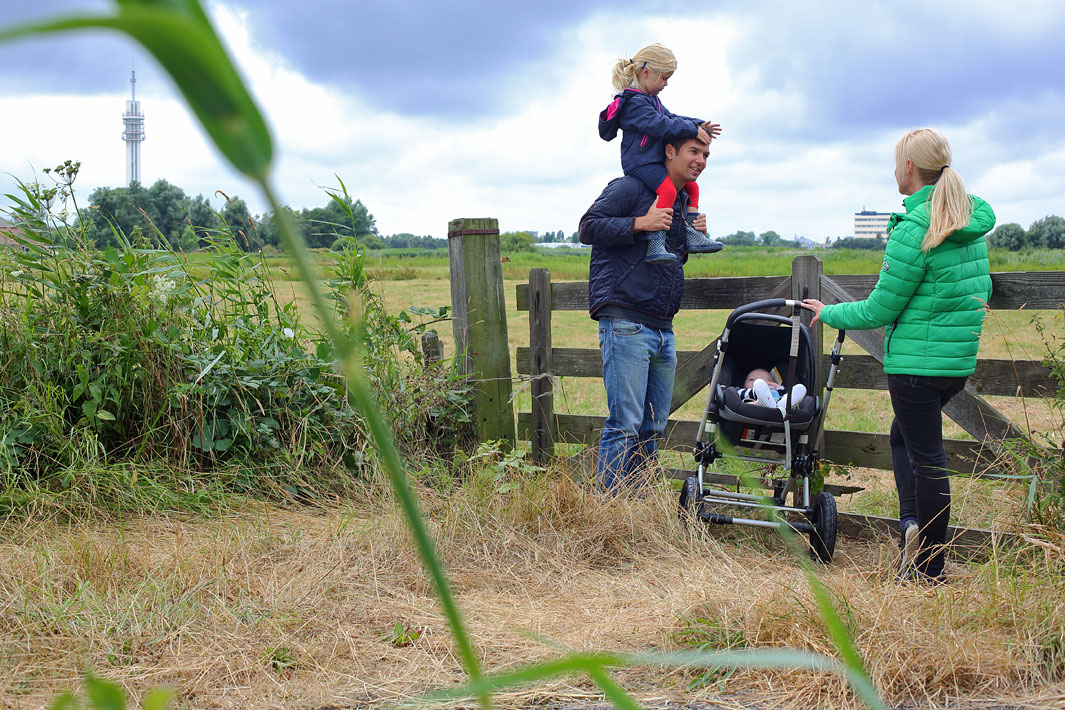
pixel 618 274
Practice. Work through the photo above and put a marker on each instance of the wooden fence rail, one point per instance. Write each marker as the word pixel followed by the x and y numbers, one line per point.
pixel 480 334
pixel 993 376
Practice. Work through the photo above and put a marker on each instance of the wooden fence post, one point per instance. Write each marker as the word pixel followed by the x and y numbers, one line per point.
pixel 479 316
pixel 432 348
pixel 543 410
pixel 806 283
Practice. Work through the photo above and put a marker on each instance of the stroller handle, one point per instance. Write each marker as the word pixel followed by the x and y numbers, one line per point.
pixel 759 305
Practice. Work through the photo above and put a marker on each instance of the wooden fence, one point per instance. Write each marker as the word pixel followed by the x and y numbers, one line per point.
pixel 542 363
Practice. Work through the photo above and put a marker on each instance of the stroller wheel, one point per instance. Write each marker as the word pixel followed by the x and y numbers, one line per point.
pixel 688 507
pixel 823 519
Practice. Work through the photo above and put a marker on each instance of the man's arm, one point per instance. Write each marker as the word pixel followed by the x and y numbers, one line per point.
pixel 610 220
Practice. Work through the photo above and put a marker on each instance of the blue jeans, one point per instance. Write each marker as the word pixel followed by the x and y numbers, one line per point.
pixel 638 367
pixel 920 461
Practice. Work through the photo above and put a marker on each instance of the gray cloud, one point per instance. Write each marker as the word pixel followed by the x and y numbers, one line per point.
pixel 870 66
pixel 417 58
pixel 84 63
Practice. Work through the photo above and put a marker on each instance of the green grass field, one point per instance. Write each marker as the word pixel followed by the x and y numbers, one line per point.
pixel 423 281
pixel 406 280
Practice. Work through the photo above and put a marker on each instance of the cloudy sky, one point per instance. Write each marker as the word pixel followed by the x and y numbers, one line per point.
pixel 434 110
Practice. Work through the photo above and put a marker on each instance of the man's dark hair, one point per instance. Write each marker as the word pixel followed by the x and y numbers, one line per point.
pixel 678 141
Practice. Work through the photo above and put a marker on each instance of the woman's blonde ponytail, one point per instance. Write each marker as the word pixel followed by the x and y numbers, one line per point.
pixel 951 207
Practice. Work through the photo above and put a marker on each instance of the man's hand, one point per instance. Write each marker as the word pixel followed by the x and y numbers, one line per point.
pixel 712 129
pixel 700 223
pixel 656 220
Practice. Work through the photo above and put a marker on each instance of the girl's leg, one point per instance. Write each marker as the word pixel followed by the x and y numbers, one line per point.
pixel 656 245
pixel 667 194
pixel 693 197
pixel 655 178
pixel 696 241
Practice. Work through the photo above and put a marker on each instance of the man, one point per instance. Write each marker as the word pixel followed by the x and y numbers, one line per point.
pixel 634 302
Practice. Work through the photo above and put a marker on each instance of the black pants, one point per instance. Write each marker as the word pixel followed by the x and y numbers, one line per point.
pixel 920 462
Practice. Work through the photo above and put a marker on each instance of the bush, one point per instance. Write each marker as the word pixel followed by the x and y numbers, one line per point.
pixel 121 355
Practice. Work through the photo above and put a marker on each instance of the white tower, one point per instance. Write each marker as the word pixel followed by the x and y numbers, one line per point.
pixel 133 121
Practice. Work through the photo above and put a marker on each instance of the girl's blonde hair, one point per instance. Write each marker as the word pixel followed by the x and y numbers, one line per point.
pixel 654 57
pixel 951 208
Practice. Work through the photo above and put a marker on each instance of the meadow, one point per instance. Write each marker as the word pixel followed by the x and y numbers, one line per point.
pixel 196 498
pixel 406 280
pixel 238 599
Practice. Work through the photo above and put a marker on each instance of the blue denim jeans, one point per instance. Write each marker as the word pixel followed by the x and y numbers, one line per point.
pixel 920 461
pixel 638 367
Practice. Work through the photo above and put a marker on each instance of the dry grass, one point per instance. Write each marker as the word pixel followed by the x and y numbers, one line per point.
pixel 283 608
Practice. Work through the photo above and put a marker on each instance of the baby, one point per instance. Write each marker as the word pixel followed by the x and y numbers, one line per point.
pixel 763 387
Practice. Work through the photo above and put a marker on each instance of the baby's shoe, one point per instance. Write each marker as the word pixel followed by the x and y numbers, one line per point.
pixel 697 242
pixel 764 393
pixel 656 250
pixel 798 393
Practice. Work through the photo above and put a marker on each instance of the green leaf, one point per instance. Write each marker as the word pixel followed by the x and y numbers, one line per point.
pixel 614 692
pixel 157 699
pixel 202 441
pixel 180 37
pixel 105 415
pixel 103 694
pixel 65 701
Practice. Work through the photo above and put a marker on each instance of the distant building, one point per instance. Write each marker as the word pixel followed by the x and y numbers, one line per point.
pixel 805 243
pixel 870 224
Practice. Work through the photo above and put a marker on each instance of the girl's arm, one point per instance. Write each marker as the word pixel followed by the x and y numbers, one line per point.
pixel 641 114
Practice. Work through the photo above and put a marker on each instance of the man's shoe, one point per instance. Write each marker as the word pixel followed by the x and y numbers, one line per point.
pixel 656 250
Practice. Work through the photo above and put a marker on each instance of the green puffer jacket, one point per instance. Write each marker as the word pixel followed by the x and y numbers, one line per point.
pixel 932 303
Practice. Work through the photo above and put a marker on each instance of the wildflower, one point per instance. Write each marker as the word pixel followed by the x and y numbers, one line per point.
pixel 162 288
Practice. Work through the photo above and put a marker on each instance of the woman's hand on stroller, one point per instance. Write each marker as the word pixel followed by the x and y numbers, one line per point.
pixel 812 304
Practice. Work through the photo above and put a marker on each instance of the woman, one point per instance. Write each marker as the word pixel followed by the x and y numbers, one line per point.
pixel 932 292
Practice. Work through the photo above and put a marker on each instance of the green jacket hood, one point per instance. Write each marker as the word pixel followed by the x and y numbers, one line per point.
pixel 917 204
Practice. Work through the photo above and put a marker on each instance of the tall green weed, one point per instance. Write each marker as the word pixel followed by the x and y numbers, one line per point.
pixel 112 356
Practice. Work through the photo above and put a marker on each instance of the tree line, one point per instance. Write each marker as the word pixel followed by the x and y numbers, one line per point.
pixel 1045 233
pixel 188 223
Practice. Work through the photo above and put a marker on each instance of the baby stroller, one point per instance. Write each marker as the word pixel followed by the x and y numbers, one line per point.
pixel 783 438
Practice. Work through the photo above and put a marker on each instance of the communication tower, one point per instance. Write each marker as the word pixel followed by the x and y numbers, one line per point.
pixel 133 133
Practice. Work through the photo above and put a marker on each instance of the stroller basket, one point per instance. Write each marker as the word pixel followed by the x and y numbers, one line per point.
pixel 784 437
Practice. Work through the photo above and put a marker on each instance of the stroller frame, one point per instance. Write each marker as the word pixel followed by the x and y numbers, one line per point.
pixel 813 515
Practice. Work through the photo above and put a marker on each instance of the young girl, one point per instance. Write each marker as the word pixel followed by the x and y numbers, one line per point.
pixel 646 124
